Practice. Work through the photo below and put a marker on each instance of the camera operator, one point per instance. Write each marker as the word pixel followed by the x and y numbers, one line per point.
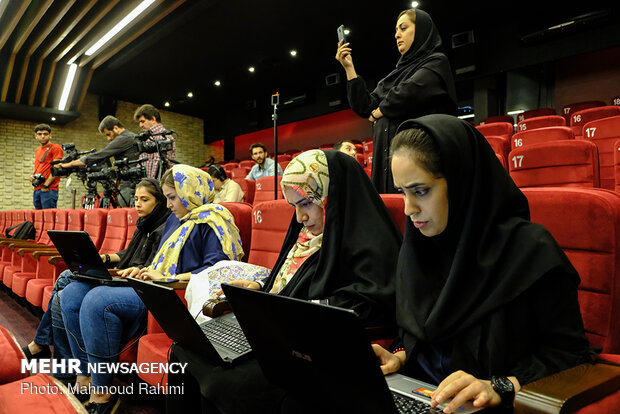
pixel 149 119
pixel 45 184
pixel 121 145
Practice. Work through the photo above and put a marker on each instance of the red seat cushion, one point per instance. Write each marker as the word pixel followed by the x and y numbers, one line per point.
pixel 15 397
pixel 34 290
pixel 10 358
pixel 47 295
pixel 154 348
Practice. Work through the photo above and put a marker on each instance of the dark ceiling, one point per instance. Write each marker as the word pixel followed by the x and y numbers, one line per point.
pixel 198 42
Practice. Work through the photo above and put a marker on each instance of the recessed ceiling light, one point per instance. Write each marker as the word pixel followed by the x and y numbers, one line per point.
pixel 53 118
pixel 251 69
pixel 63 105
pixel 414 4
pixel 217 83
pixel 190 95
pixel 166 104
pixel 293 52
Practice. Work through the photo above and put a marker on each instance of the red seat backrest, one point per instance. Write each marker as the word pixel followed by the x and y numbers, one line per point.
pixel 499 144
pixel 285 157
pixel 132 218
pixel 502 160
pixel 617 165
pixel 586 224
pixel 535 136
pixel 604 133
pixel 270 221
pixel 501 129
pixel 239 172
pixel 368 145
pixel 541 122
pixel 570 109
pixel 38 224
pixel 115 231
pixel 95 221
pixel 75 220
pixel 49 222
pixel 247 163
pixel 248 187
pixel 283 164
pixel 572 163
pixel 497 119
pixel 360 158
pixel 533 113
pixel 242 213
pixel 579 119
pixel 395 204
pixel 264 189
pixel 61 220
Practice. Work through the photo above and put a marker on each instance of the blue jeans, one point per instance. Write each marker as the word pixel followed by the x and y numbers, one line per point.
pixel 51 329
pixel 45 199
pixel 100 320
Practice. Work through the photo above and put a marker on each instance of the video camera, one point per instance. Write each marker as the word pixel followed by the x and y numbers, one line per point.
pixel 38 179
pixel 123 171
pixel 162 145
pixel 71 154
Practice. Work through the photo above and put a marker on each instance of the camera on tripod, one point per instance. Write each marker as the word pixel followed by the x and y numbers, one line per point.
pixel 124 170
pixel 162 145
pixel 71 154
pixel 38 179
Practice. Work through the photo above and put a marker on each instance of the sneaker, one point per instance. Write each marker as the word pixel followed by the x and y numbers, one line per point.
pixel 109 407
pixel 44 354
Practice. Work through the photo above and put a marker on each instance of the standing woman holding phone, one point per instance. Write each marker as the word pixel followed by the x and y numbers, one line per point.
pixel 421 84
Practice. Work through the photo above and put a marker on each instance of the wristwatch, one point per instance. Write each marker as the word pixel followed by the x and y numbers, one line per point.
pixel 505 388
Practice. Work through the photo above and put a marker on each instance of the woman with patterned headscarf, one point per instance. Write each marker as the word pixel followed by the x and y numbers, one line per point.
pixel 341 248
pixel 100 319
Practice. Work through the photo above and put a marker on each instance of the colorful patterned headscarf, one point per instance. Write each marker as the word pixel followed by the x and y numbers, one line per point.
pixel 308 175
pixel 196 191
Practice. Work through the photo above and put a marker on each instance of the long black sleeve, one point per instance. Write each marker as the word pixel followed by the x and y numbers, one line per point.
pixel 362 102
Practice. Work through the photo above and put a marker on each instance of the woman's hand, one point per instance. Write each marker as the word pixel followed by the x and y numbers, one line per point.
pixel 462 387
pixel 148 274
pixel 343 55
pixel 129 272
pixel 389 362
pixel 250 284
pixel 375 115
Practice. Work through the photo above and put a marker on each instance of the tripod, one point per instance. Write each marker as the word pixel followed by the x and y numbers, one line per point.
pixel 91 196
pixel 110 195
pixel 163 164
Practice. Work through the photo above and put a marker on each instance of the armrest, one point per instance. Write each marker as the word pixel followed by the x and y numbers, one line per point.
pixel 39 253
pixel 568 390
pixel 54 260
pixel 23 250
pixel 16 244
pixel 215 307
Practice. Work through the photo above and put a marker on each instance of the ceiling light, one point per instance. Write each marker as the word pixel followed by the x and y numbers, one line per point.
pixel 414 4
pixel 518 111
pixel 53 118
pixel 62 105
pixel 466 116
pixel 190 95
pixel 251 69
pixel 166 104
pixel 119 26
pixel 293 52
pixel 217 83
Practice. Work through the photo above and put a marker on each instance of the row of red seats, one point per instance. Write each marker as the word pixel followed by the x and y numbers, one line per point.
pixel 556 156
pixel 585 222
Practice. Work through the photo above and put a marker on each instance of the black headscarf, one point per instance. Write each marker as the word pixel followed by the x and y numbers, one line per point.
pixel 356 264
pixel 141 249
pixel 425 51
pixel 487 256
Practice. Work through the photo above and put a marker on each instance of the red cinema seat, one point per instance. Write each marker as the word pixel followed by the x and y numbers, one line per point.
pixel 23 396
pixel 533 113
pixel 501 129
pixel 536 136
pixel 132 219
pixel 571 163
pixel 395 204
pixel 242 214
pixel 270 221
pixel 248 187
pixel 367 145
pixel 617 165
pixel 239 172
pixel 579 119
pixel 496 119
pixel 95 225
pixel 291 152
pixel 499 144
pixel 586 224
pixel 265 189
pixel 247 163
pixel 283 164
pixel 368 170
pixel 570 109
pixel 604 133
pixel 115 232
pixel 541 122
pixel 10 357
pixel 502 160
pixel 285 157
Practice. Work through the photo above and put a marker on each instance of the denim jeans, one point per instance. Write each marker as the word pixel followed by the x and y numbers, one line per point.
pixel 45 199
pixel 51 329
pixel 100 320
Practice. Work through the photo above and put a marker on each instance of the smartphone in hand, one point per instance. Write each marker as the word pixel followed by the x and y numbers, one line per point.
pixel 341 36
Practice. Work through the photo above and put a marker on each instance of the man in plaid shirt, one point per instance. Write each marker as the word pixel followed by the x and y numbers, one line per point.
pixel 149 119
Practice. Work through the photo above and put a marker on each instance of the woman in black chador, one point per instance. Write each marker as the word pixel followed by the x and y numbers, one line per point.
pixel 420 84
pixel 486 300
pixel 341 246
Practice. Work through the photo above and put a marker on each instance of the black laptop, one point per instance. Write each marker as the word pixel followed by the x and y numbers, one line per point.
pixel 322 351
pixel 82 258
pixel 221 339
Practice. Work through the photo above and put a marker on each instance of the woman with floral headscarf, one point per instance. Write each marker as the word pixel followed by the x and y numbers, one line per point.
pixel 341 248
pixel 99 319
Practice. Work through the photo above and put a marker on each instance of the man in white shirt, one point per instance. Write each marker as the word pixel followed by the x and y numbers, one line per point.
pixel 264 164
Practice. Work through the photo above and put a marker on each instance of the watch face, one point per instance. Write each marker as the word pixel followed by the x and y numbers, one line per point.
pixel 502 385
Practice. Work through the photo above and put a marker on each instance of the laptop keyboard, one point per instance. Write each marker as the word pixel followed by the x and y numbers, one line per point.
pixel 407 405
pixel 227 334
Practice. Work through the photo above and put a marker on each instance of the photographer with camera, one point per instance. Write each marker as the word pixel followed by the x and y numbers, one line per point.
pixel 149 119
pixel 121 145
pixel 45 184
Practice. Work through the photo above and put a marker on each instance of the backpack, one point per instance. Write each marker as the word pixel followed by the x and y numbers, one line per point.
pixel 24 231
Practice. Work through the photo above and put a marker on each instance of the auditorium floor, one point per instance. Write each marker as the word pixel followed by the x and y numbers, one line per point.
pixel 23 324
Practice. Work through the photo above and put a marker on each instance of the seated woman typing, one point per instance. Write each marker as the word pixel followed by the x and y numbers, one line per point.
pixel 341 246
pixel 486 300
pixel 100 319
pixel 152 211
